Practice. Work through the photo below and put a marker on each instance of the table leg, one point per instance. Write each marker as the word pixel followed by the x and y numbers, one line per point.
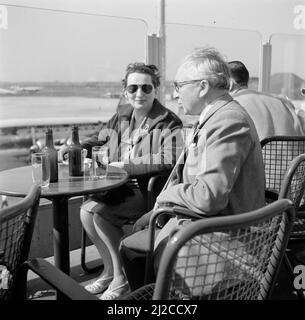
pixel 61 234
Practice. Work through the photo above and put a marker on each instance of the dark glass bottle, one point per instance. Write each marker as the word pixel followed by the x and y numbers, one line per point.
pixel 50 149
pixel 75 154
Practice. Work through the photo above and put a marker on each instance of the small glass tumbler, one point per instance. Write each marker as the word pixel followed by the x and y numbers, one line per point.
pixel 84 155
pixel 100 160
pixel 41 169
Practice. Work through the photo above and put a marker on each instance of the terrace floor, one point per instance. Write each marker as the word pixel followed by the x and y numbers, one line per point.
pixel 39 290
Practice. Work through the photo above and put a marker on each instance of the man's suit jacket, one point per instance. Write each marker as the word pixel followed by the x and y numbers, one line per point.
pixel 270 115
pixel 224 172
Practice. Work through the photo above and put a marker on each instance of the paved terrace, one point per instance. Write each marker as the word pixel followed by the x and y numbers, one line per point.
pixel 39 290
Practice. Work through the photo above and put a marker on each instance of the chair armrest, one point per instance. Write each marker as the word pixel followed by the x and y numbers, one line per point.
pixel 151 240
pixel 153 179
pixel 184 212
pixel 151 188
pixel 173 211
pixel 153 219
pixel 58 280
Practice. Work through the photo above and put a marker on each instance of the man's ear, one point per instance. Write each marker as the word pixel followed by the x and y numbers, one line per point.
pixel 205 87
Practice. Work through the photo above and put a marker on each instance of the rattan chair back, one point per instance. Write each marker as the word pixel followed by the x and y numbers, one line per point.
pixel 16 230
pixel 234 257
pixel 293 188
pixel 278 153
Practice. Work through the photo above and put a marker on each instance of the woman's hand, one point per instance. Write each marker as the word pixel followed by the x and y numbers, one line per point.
pixel 63 153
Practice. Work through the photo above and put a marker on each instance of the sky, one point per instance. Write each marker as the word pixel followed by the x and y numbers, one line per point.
pixel 78 42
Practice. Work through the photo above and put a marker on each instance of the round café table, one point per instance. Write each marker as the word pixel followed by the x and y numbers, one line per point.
pixel 16 182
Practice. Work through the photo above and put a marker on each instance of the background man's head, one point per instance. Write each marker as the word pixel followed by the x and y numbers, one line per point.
pixel 239 75
pixel 202 77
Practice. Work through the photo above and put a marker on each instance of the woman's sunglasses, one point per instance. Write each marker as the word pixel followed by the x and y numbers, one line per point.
pixel 146 88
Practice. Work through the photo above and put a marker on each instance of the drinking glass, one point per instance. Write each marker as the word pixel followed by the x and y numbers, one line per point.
pixel 41 169
pixel 84 155
pixel 100 159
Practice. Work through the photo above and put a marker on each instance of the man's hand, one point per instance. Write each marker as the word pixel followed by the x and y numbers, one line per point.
pixel 142 222
pixel 117 164
pixel 63 153
pixel 163 218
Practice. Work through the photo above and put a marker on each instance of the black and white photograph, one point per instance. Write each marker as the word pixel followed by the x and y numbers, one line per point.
pixel 152 150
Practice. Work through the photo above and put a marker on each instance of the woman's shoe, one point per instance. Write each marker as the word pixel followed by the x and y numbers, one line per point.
pixel 99 285
pixel 114 293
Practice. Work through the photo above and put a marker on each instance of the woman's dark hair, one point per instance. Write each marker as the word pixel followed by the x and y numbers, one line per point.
pixel 141 67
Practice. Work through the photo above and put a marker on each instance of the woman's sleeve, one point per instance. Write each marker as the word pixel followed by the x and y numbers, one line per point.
pixel 98 138
pixel 160 153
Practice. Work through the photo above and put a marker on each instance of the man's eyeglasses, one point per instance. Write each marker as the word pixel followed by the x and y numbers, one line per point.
pixel 146 88
pixel 179 84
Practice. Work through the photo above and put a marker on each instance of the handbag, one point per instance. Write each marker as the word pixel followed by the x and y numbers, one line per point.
pixel 114 196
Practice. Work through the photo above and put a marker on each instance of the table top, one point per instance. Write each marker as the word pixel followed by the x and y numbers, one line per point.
pixel 16 182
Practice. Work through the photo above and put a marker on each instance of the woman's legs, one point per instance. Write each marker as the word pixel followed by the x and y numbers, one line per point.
pixel 104 228
pixel 86 217
pixel 111 236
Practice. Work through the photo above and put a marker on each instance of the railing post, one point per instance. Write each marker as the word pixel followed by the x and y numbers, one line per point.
pixel 153 56
pixel 265 67
pixel 156 50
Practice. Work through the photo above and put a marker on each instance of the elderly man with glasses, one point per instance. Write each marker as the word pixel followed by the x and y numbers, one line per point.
pixel 223 172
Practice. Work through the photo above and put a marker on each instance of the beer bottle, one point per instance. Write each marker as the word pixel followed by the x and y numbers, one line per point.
pixel 75 154
pixel 50 149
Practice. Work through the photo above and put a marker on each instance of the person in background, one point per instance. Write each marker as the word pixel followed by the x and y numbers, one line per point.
pixel 271 115
pixel 144 138
pixel 223 173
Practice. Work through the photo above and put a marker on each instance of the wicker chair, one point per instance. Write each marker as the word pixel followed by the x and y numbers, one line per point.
pixel 292 181
pixel 278 154
pixel 293 188
pixel 16 228
pixel 232 257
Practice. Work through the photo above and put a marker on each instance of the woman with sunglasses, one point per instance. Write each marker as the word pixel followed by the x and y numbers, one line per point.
pixel 148 140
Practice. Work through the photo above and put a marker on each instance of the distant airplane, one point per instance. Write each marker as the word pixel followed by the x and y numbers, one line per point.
pixel 112 95
pixel 19 89
pixel 7 91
